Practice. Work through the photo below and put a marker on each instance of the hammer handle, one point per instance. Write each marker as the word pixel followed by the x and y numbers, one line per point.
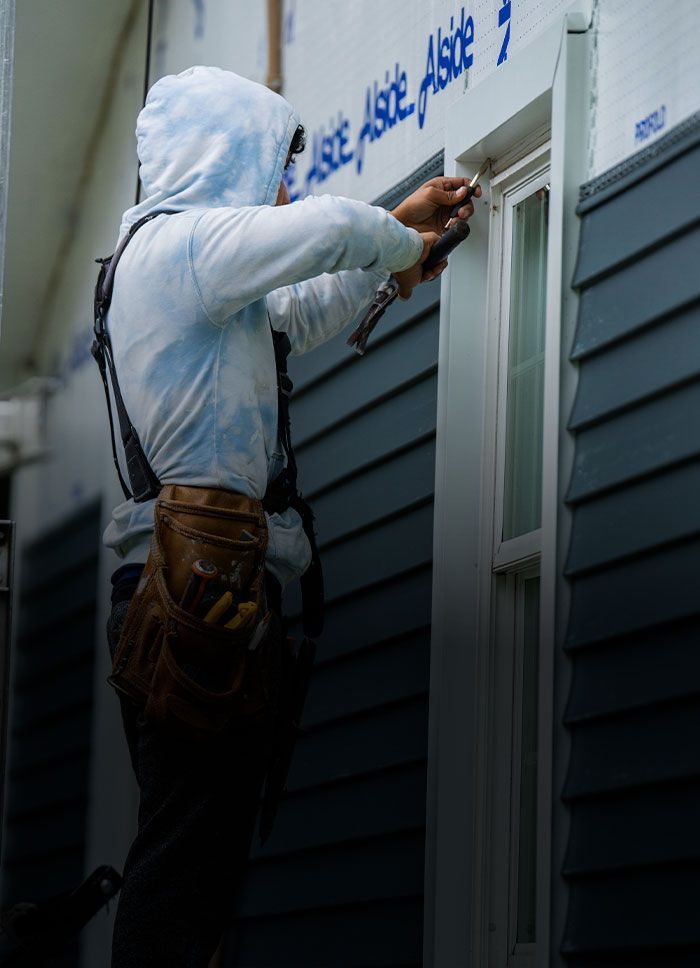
pixel 450 240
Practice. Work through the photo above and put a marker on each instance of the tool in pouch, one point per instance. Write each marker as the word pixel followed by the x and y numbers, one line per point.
pixel 388 291
pixel 168 656
pixel 189 675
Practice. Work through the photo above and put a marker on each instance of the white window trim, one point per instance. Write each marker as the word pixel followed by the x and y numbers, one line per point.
pixel 531 174
pixel 543 85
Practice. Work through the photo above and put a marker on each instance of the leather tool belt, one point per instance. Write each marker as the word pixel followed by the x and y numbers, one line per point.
pixel 192 676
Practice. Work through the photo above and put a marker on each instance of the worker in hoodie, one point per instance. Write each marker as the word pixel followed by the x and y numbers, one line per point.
pixel 195 294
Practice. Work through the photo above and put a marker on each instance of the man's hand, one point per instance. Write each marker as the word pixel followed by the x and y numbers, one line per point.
pixel 428 208
pixel 409 278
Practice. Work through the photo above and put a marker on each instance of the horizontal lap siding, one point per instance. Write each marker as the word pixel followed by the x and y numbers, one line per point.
pixel 340 882
pixel 50 729
pixel 633 783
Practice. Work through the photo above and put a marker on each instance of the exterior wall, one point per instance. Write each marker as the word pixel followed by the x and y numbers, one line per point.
pixel 358 145
pixel 645 73
pixel 50 495
pixel 645 85
pixel 345 860
pixel 216 32
pixel 7 42
pixel 633 709
pixel 48 780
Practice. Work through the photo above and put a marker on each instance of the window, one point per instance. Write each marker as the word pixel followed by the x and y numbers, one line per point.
pixel 519 238
pixel 502 460
pixel 518 267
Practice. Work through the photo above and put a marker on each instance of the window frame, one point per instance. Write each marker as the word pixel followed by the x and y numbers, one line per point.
pixel 523 954
pixel 509 188
pixel 506 562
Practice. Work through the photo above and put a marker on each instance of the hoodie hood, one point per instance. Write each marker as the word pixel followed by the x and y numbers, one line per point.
pixel 208 138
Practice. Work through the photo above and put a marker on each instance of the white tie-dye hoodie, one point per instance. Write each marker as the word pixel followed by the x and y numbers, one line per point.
pixel 189 316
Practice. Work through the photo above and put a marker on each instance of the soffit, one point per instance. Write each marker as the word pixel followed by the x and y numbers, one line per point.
pixel 62 51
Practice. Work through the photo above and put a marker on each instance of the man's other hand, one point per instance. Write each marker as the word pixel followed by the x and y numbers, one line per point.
pixel 428 208
pixel 409 278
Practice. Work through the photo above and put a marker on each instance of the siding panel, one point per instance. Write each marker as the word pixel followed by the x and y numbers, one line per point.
pixel 378 740
pixel 642 747
pixel 633 859
pixel 603 247
pixel 653 436
pixel 395 928
pixel 340 881
pixel 657 359
pixel 659 904
pixel 635 595
pixel 363 381
pixel 370 436
pixel 49 748
pixel 666 666
pixel 390 867
pixel 638 518
pixel 382 490
pixel 392 608
pixel 629 830
pixel 375 805
pixel 370 679
pixel 659 283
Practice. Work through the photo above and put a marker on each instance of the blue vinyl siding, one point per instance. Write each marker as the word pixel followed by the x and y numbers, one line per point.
pixel 51 715
pixel 340 881
pixel 632 864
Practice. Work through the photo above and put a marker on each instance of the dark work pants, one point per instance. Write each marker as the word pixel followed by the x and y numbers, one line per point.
pixel 197 813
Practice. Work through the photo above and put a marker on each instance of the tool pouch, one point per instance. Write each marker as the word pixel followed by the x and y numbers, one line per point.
pixel 189 676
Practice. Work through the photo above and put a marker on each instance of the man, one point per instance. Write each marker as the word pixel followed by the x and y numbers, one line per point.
pixel 194 295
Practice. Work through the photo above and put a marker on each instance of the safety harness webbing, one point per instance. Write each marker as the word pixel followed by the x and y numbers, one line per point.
pixel 144 483
pixel 281 493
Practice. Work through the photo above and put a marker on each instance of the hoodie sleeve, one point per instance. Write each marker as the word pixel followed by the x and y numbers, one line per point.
pixel 240 255
pixel 311 312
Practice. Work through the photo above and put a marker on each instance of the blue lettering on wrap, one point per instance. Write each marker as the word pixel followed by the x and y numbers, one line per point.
pixel 453 57
pixel 449 52
pixel 654 122
pixel 384 108
pixel 329 151
pixel 504 18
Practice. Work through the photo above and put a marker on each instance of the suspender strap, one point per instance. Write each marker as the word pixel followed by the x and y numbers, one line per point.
pixel 98 352
pixel 282 493
pixel 144 482
pixel 312 587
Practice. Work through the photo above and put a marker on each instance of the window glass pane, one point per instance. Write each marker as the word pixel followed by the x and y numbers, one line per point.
pixel 523 458
pixel 527 831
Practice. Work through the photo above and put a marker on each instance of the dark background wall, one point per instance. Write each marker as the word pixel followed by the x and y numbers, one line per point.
pixel 4 497
pixel 632 867
pixel 51 715
pixel 340 882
